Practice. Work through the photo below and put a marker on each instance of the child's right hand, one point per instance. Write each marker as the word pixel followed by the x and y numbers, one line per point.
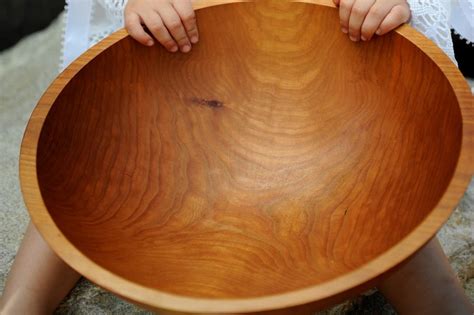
pixel 361 19
pixel 172 23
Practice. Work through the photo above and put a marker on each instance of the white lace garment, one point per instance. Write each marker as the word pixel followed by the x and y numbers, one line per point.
pixel 89 21
pixel 462 19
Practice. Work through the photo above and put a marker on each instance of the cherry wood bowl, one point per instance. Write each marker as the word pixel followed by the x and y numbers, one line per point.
pixel 278 167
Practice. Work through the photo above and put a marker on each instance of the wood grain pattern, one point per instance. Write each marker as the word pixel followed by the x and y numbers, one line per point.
pixel 277 165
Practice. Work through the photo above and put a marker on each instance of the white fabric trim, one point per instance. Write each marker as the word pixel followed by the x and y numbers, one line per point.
pixel 76 36
pixel 431 17
pixel 462 19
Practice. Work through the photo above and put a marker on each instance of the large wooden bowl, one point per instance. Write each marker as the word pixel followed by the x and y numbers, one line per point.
pixel 278 166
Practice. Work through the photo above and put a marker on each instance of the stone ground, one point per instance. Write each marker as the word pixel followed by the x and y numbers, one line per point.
pixel 26 70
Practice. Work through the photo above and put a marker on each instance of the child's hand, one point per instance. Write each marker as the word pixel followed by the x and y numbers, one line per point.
pixel 172 23
pixel 362 18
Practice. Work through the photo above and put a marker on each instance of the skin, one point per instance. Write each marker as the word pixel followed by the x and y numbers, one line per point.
pixel 425 284
pixel 171 22
pixel 361 19
pixel 38 280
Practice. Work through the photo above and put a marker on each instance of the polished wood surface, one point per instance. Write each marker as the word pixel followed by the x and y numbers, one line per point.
pixel 278 164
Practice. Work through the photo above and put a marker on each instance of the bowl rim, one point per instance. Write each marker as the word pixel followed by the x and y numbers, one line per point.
pixel 371 270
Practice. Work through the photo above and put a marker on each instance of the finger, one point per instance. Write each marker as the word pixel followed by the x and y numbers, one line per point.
pixel 376 15
pixel 336 2
pixel 174 25
pixel 188 17
pixel 397 16
pixel 157 28
pixel 358 14
pixel 135 29
pixel 345 7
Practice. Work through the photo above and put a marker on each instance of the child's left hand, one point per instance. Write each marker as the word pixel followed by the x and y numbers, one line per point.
pixel 360 19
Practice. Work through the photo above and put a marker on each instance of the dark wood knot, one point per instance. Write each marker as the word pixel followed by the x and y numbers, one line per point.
pixel 206 102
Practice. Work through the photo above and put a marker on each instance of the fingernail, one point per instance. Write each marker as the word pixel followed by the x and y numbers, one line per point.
pixel 174 49
pixel 363 38
pixel 186 48
pixel 194 39
pixel 149 43
pixel 344 30
pixel 378 32
pixel 354 39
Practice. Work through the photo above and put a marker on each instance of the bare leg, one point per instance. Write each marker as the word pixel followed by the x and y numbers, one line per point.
pixel 427 285
pixel 38 279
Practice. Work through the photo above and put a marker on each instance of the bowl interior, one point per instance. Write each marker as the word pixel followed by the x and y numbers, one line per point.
pixel 275 156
